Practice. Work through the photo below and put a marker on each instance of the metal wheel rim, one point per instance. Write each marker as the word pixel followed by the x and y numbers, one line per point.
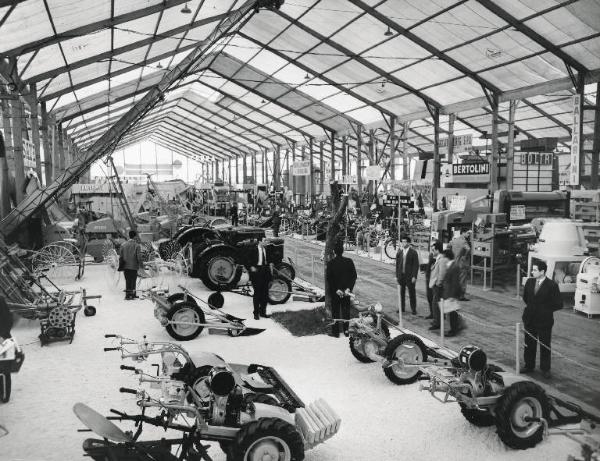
pixel 526 407
pixel 278 290
pixel 407 352
pixel 268 448
pixel 185 314
pixel 57 260
pixel 286 272
pixel 391 249
pixel 221 269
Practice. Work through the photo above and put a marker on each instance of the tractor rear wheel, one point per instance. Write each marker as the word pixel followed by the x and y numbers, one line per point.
pixel 358 345
pixel 286 270
pixel 521 402
pixel 280 291
pixel 401 349
pixel 267 438
pixel 189 314
pixel 218 269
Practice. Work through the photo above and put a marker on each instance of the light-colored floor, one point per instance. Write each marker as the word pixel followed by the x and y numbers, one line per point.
pixel 380 421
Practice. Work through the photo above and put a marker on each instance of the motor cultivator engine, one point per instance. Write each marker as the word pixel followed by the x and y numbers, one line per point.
pixel 369 335
pixel 59 325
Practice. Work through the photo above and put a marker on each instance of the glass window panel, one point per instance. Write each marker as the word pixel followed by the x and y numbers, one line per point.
pixel 365 115
pixel 458 90
pixel 395 53
pixel 351 73
pixel 135 31
pixel 587 53
pixel 68 15
pixel 529 72
pixel 330 16
pixel 80 48
pixel 403 105
pixel 363 33
pixel 318 89
pixel 49 58
pixel 268 62
pixel 409 12
pixel 343 102
pixel 427 73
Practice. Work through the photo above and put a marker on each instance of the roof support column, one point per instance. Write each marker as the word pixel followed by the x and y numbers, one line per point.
pixel 277 167
pixel 405 158
pixel 229 178
pixel 244 168
pixel 495 147
pixel 35 130
pixel 17 132
pixel 510 147
pixel 580 88
pixel 4 182
pixel 371 157
pixel 253 167
pixel 291 161
pixel 393 146
pixel 332 156
pixel 322 168
pixel 46 145
pixel 596 145
pixel 359 160
pixel 8 143
pixel 450 154
pixel 237 170
pixel 344 157
pixel 311 186
pixel 436 156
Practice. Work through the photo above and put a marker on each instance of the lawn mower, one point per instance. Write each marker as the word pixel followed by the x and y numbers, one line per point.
pixel 248 409
pixel 185 315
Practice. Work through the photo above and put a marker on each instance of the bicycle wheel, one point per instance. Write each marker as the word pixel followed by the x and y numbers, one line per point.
pixel 391 248
pixel 57 262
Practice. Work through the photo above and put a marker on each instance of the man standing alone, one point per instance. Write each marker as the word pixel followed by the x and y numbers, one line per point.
pixel 260 277
pixel 341 277
pixel 407 268
pixel 542 297
pixel 131 257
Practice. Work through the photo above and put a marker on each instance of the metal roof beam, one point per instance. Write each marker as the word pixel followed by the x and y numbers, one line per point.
pixel 92 27
pixel 123 49
pixel 425 45
pixel 532 35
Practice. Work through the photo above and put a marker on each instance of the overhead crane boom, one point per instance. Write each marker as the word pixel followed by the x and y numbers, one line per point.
pixel 109 140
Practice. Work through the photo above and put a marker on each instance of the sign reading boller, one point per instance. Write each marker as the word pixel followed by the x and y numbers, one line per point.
pixel 301 168
pixel 574 173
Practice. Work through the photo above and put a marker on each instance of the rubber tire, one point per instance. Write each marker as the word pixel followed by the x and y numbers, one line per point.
pixel 389 354
pixel 5 390
pixel 505 407
pixel 178 297
pixel 265 427
pixel 274 284
pixel 479 418
pixel 89 311
pixel 387 244
pixel 357 354
pixel 216 300
pixel 284 267
pixel 174 310
pixel 203 264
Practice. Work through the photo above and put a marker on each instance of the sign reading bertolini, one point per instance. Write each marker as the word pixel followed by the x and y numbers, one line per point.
pixel 459 169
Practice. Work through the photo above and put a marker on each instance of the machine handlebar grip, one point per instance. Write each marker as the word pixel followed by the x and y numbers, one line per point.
pixel 126 367
pixel 107 349
pixel 110 336
pixel 126 390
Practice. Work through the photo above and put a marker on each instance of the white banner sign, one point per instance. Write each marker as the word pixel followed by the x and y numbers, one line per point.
pixel 301 168
pixel 373 172
pixel 348 179
pixel 462 143
pixel 574 173
pixel 28 154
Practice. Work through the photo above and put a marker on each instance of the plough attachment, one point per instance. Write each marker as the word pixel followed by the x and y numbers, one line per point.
pixel 317 422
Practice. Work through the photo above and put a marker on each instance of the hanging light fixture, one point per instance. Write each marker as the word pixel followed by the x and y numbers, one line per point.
pixel 263 101
pixel 388 32
pixel 186 9
pixel 159 66
pixel 307 77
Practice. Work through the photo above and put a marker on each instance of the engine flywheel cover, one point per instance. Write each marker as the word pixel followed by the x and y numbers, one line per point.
pixel 60 317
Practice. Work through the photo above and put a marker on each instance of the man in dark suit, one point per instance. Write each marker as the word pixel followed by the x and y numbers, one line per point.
pixel 131 255
pixel 542 297
pixel 407 268
pixel 341 277
pixel 260 276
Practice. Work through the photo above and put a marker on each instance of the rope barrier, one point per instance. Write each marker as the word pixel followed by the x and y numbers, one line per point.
pixel 476 321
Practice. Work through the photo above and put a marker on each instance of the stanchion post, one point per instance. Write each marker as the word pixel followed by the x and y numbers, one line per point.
pixel 368 244
pixel 296 254
pixel 400 322
pixel 312 268
pixel 517 347
pixel 441 304
pixel 485 273
pixel 518 279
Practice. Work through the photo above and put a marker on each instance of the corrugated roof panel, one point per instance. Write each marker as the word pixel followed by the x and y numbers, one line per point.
pixel 49 58
pixel 135 31
pixel 524 73
pixel 427 73
pixel 395 53
pixel 409 12
pixel 322 58
pixel 455 91
pixel 330 16
pixel 361 34
pixel 352 73
pixel 365 115
pixel 269 63
pixel 404 105
pixel 80 48
pixel 587 52
pixel 68 14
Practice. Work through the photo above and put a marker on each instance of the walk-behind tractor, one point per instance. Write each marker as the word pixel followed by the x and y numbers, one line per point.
pixel 248 409
pixel 519 408
pixel 185 315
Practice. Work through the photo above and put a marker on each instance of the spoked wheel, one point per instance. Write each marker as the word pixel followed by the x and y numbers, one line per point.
pixel 267 438
pixel 280 291
pixel 405 351
pixel 186 317
pixel 57 261
pixel 518 415
pixel 391 248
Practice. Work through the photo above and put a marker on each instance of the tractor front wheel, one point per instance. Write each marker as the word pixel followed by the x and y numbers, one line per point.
pixel 267 438
pixel 185 317
pixel 518 415
pixel 280 291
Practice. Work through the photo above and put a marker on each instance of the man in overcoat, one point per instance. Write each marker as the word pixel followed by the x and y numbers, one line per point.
pixel 341 277
pixel 407 268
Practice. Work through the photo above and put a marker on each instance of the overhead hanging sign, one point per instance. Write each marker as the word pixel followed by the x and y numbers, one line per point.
pixel 373 172
pixel 28 154
pixel 463 169
pixel 462 143
pixel 301 168
pixel 575 147
pixel 348 179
